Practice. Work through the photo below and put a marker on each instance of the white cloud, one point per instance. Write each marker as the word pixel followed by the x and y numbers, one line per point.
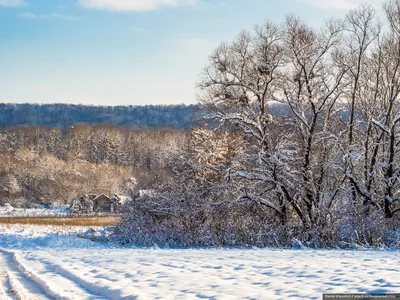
pixel 197 44
pixel 193 42
pixel 12 3
pixel 339 4
pixel 133 5
pixel 138 30
pixel 53 16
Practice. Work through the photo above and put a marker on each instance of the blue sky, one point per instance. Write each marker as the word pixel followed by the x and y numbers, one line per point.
pixel 127 52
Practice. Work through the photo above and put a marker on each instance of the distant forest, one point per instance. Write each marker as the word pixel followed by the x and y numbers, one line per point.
pixel 64 115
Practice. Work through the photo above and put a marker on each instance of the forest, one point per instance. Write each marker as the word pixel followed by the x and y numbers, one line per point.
pixel 51 153
pixel 65 115
pixel 53 165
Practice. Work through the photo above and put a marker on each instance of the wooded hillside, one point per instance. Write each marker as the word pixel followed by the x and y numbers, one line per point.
pixel 64 115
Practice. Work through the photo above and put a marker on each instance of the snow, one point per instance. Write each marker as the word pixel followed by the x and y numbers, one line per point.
pixel 381 125
pixel 54 263
pixel 9 211
pixel 44 237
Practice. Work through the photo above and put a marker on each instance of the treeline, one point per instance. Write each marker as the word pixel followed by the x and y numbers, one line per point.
pixel 65 115
pixel 39 164
pixel 325 175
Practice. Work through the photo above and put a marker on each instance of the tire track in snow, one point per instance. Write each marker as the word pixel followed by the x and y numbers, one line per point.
pixel 5 288
pixel 64 289
pixel 55 283
pixel 21 286
pixel 104 288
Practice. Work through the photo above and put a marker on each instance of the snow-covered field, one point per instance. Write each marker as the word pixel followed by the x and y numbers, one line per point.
pixel 42 263
pixel 9 211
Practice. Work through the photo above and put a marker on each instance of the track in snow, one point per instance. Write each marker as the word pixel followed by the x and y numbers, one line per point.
pixel 14 284
pixel 21 283
pixel 5 287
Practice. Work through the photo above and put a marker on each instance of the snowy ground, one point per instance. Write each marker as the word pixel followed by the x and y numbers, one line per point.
pixel 9 211
pixel 42 263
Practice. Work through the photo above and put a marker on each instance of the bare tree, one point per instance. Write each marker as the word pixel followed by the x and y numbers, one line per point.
pixel 238 86
pixel 293 65
pixel 370 151
pixel 312 85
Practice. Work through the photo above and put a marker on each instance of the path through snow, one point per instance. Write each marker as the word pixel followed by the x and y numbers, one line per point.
pixel 16 284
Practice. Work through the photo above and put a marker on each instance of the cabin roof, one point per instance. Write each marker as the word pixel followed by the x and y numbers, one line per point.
pixel 98 196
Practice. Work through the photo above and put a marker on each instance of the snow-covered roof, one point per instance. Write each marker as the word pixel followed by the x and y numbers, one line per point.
pixel 98 196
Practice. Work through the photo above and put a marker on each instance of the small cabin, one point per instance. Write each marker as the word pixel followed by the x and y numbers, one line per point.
pixel 96 203
pixel 104 203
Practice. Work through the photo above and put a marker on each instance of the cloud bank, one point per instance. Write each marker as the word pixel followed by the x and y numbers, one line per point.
pixel 136 29
pixel 133 5
pixel 339 4
pixel 53 16
pixel 12 3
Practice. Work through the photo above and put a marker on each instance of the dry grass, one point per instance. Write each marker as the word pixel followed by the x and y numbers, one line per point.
pixel 56 221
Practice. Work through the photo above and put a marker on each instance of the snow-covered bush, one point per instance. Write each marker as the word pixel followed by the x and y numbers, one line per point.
pixel 81 205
